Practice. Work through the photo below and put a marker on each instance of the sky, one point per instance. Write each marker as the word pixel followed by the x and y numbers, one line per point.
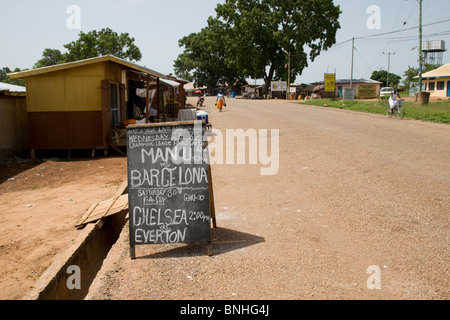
pixel 379 27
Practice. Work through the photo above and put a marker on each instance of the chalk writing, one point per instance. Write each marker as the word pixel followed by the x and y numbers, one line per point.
pixel 168 184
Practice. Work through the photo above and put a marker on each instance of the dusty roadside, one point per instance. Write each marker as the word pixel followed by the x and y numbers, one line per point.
pixel 356 195
pixel 40 205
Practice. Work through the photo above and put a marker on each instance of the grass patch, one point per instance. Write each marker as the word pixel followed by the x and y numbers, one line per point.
pixel 436 111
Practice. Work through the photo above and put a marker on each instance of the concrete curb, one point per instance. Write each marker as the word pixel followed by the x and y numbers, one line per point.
pixel 88 252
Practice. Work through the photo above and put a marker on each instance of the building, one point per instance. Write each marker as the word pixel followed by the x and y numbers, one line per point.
pixel 13 120
pixel 251 91
pixel 79 105
pixel 437 82
pixel 364 88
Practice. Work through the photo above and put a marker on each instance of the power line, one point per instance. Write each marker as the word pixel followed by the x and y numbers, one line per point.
pixel 407 38
pixel 341 44
pixel 402 30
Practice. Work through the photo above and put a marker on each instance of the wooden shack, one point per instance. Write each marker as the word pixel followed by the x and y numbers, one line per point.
pixel 13 120
pixel 82 104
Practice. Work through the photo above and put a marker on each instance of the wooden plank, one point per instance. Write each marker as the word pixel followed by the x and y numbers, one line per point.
pixel 103 209
pixel 86 215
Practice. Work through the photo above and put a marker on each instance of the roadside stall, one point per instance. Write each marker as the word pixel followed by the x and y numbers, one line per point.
pixel 87 104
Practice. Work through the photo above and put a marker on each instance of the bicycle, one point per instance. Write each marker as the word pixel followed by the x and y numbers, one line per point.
pixel 398 110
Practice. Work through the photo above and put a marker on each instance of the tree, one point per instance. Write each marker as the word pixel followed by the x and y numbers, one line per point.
pixel 50 57
pixel 411 72
pixel 203 60
pixel 382 75
pixel 100 43
pixel 90 45
pixel 261 33
pixel 6 79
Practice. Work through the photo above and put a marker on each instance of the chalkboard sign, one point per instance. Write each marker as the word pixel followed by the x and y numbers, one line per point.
pixel 168 184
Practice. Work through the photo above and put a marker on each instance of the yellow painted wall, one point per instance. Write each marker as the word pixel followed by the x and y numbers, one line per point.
pixel 113 72
pixel 76 89
pixel 83 88
pixel 437 93
pixel 46 92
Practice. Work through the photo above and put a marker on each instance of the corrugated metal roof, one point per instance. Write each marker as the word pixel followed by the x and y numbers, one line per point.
pixel 170 83
pixel 11 87
pixel 355 81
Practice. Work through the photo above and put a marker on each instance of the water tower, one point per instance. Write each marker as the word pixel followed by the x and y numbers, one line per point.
pixel 433 52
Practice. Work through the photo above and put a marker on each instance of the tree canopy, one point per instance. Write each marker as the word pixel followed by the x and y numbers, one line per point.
pixel 382 76
pixel 203 60
pixel 6 79
pixel 93 44
pixel 260 34
pixel 101 43
pixel 253 38
pixel 411 72
pixel 50 57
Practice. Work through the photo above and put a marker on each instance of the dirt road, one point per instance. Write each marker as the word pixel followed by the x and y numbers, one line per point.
pixel 359 209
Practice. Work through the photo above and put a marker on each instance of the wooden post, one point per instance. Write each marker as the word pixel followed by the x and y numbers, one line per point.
pixel 106 114
pixel 132 252
pixel 158 97
pixel 209 248
pixel 147 107
pixel 211 198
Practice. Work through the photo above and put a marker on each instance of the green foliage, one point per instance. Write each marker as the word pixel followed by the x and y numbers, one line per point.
pixel 101 43
pixel 381 75
pixel 260 32
pixel 411 72
pixel 93 44
pixel 251 39
pixel 50 57
pixel 5 78
pixel 203 60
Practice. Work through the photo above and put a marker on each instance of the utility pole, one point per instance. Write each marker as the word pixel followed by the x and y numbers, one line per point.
pixel 389 66
pixel 420 47
pixel 288 92
pixel 289 75
pixel 353 52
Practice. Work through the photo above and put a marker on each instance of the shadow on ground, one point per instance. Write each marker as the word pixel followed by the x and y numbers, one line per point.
pixel 223 241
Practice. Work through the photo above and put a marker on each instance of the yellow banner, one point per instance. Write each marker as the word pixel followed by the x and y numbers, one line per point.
pixel 330 82
pixel 367 91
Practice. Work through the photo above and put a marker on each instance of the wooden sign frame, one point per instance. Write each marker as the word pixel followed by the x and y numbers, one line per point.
pixel 171 197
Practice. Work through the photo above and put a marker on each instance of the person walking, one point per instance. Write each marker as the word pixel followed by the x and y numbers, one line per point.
pixel 220 101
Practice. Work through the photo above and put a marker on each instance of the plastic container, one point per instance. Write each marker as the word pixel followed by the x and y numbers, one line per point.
pixel 203 116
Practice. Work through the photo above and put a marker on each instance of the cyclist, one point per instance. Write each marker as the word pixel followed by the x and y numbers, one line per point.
pixel 394 100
